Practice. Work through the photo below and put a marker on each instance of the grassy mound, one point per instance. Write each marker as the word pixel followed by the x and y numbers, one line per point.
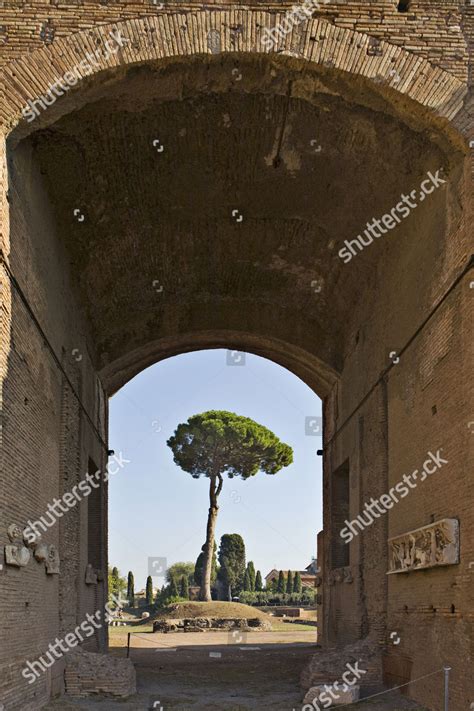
pixel 181 610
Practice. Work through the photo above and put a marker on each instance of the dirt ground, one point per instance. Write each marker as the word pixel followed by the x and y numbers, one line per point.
pixel 215 671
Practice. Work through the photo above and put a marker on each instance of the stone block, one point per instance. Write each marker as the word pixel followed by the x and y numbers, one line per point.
pixel 17 556
pixel 318 695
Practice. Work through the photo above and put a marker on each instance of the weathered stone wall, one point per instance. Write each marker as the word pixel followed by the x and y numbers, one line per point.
pixel 414 403
pixel 46 440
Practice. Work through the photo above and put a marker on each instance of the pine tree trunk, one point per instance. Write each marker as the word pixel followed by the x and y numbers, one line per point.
pixel 205 591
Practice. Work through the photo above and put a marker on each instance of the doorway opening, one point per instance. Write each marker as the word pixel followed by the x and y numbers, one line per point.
pixel 157 527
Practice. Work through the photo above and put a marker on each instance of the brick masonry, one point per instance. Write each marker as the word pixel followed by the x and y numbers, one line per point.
pixel 87 674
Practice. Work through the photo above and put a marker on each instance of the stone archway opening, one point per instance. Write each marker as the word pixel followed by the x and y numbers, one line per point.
pixel 159 511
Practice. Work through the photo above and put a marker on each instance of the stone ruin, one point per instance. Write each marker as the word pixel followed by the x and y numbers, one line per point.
pixel 89 674
pixel 328 666
pixel 208 624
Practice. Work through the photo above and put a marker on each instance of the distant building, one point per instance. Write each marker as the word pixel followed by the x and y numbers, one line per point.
pixel 313 567
pixel 140 597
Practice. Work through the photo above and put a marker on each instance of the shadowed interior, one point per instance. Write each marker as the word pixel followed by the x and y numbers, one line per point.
pixel 216 195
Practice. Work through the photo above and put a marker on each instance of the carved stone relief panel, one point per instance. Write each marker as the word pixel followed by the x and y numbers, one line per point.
pixel 427 547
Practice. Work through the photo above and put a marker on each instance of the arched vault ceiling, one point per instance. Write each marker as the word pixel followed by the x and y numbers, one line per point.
pixel 303 163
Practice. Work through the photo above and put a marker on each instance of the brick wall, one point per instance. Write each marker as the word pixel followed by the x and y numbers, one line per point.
pixel 421 404
pixel 434 29
pixel 45 443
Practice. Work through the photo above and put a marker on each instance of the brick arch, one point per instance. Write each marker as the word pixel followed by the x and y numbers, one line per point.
pixel 233 31
pixel 317 374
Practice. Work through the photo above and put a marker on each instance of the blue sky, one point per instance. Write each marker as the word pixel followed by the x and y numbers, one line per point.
pixel 157 510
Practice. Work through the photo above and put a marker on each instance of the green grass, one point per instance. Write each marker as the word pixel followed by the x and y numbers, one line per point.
pixel 279 626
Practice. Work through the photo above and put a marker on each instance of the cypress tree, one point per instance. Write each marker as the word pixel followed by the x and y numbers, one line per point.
pixel 281 582
pixel 115 581
pixel 131 589
pixel 251 569
pixel 149 591
pixel 247 583
pixel 258 582
pixel 232 561
pixel 289 583
pixel 297 585
pixel 184 587
pixel 173 591
pixel 274 585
